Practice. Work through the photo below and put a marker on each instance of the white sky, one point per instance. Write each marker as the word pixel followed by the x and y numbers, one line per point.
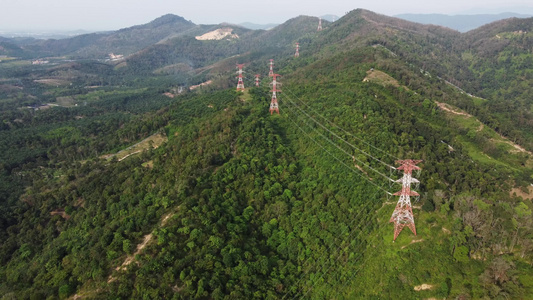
pixel 116 14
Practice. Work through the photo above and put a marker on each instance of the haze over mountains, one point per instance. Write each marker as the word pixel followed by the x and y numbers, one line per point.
pixel 132 39
pixel 462 23
pixel 145 175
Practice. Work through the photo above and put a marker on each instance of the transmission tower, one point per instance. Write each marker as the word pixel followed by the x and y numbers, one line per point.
pixel 297 54
pixel 240 84
pixel 271 72
pixel 403 213
pixel 256 79
pixel 274 102
pixel 319 24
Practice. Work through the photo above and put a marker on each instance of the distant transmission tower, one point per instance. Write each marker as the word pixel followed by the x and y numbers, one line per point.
pixel 256 79
pixel 297 54
pixel 319 24
pixel 271 72
pixel 274 102
pixel 240 84
pixel 403 213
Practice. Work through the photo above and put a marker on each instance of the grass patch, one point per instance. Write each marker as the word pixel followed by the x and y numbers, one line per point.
pixel 101 94
pixel 381 78
pixel 53 82
pixel 6 58
pixel 153 141
pixel 478 101
pixel 14 63
pixel 475 130
pixel 245 96
pixel 65 101
pixel 476 154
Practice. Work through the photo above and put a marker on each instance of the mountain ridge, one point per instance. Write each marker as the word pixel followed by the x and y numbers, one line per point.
pixel 461 23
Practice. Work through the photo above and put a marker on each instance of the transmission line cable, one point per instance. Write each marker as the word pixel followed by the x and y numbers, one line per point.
pixel 353 156
pixel 342 129
pixel 355 218
pixel 358 255
pixel 341 245
pixel 339 290
pixel 336 135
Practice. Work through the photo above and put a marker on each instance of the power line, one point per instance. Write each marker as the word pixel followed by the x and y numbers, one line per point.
pixel 362 264
pixel 360 255
pixel 337 136
pixel 343 140
pixel 306 263
pixel 338 159
pixel 327 139
pixel 355 218
pixel 299 113
pixel 342 129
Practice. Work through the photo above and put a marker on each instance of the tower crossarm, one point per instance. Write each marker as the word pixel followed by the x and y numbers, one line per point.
pixel 406 191
pixel 408 165
pixel 407 179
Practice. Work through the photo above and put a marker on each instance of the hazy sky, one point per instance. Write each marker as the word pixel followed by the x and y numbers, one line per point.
pixel 116 14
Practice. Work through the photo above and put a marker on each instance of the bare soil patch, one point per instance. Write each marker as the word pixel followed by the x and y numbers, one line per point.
pixel 140 247
pixel 60 212
pixel 154 140
pixel 218 34
pixel 447 108
pixel 201 84
pixel 413 241
pixel 423 287
pixel 67 101
pixel 381 78
pixel 525 195
pixel 53 82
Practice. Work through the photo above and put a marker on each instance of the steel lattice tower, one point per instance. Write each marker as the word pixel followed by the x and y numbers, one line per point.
pixel 274 103
pixel 403 213
pixel 319 24
pixel 256 79
pixel 240 84
pixel 297 54
pixel 271 72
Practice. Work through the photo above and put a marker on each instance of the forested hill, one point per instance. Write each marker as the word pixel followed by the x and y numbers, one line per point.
pixel 124 41
pixel 152 178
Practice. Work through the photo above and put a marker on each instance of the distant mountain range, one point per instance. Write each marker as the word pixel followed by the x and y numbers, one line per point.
pixel 174 31
pixel 258 26
pixel 462 23
pixel 330 18
pixel 45 34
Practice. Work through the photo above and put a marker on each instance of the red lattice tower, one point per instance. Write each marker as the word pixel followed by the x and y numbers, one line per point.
pixel 403 213
pixel 271 72
pixel 240 84
pixel 256 79
pixel 319 24
pixel 297 54
pixel 274 103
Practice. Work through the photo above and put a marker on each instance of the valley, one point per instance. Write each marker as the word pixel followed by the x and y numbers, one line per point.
pixel 150 176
